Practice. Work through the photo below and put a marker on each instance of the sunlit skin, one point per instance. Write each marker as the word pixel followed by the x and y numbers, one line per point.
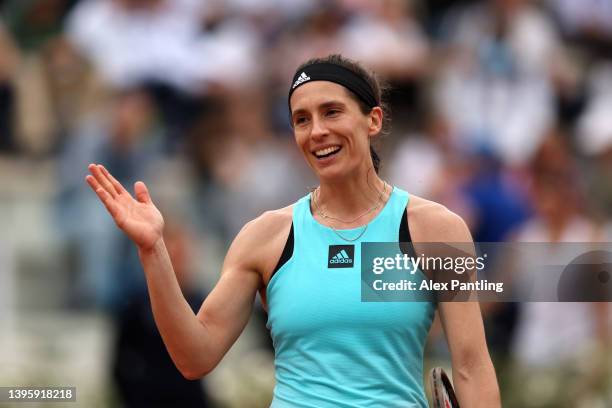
pixel 324 114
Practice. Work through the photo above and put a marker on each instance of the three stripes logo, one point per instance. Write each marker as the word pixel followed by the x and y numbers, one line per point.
pixel 341 256
pixel 301 79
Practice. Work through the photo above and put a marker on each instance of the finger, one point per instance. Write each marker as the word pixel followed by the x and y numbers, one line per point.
pixel 142 192
pixel 117 185
pixel 92 180
pixel 104 196
pixel 93 183
pixel 105 183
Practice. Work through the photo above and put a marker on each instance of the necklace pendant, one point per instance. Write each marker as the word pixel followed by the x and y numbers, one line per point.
pixel 324 216
pixel 351 239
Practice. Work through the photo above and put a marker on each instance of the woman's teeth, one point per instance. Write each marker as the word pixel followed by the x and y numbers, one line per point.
pixel 327 151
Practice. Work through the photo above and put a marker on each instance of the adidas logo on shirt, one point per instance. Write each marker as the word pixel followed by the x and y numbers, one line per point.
pixel 341 256
pixel 301 79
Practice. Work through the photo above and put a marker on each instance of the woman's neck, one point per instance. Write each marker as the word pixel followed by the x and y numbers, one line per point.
pixel 350 198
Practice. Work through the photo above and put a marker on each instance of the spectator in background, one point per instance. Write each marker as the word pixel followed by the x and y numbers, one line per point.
pixel 387 37
pixel 144 373
pixel 128 141
pixel 500 53
pixel 417 163
pixel 133 41
pixel 552 337
pixel 38 120
pixel 167 45
pixel 595 141
pixel 473 182
pixel 428 162
pixel 498 204
pixel 73 88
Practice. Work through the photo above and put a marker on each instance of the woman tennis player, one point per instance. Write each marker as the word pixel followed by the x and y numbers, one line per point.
pixel 331 349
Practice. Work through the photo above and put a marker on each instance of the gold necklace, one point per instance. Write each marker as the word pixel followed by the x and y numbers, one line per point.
pixel 328 217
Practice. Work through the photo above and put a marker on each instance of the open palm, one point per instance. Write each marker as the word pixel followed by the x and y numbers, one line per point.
pixel 137 217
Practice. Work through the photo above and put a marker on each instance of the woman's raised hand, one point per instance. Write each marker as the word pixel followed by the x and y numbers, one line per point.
pixel 137 217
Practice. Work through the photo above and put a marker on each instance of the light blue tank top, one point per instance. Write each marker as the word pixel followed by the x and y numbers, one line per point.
pixel 332 349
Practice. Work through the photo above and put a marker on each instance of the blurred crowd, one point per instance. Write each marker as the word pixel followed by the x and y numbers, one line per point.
pixel 501 110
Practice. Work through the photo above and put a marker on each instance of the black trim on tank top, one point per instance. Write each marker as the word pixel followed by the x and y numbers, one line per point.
pixel 404 236
pixel 287 252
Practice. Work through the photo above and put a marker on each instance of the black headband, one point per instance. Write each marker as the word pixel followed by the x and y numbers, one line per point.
pixel 324 71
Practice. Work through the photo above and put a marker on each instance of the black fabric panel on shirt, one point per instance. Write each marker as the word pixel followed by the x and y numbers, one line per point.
pixel 404 236
pixel 287 252
pixel 405 240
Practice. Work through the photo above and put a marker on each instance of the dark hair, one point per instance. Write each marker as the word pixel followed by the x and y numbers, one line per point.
pixel 378 87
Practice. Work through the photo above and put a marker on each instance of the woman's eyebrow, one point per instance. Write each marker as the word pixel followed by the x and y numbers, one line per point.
pixel 332 103
pixel 324 105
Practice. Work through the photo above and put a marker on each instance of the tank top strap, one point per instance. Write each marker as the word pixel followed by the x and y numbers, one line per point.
pixel 398 203
pixel 386 226
pixel 301 215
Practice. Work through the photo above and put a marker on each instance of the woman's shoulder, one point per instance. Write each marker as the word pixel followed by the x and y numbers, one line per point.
pixel 268 228
pixel 263 239
pixel 430 221
pixel 273 220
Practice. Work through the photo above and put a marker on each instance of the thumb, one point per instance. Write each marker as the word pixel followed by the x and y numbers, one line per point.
pixel 142 193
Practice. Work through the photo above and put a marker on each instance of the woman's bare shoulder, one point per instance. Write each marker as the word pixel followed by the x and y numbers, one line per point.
pixel 272 222
pixel 266 227
pixel 430 221
pixel 261 241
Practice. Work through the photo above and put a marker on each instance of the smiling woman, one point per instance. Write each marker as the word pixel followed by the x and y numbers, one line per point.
pixel 362 86
pixel 330 129
pixel 331 348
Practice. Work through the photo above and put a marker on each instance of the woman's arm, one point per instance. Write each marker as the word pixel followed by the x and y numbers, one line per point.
pixel 474 376
pixel 196 343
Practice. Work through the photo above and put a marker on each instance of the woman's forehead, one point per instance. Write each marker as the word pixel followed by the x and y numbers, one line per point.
pixel 317 93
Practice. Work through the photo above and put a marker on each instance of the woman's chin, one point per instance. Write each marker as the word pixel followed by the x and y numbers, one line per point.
pixel 333 173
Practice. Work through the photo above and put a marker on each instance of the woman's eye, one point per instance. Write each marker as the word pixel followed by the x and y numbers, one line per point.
pixel 299 120
pixel 332 112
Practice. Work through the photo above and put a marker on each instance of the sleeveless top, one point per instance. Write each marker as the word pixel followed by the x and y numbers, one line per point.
pixel 332 349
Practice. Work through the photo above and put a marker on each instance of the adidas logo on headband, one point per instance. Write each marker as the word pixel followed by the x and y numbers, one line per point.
pixel 325 71
pixel 301 79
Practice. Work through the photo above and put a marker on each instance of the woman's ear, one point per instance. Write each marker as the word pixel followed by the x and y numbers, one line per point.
pixel 376 121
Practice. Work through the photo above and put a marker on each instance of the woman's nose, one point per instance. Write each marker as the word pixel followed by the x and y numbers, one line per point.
pixel 319 129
